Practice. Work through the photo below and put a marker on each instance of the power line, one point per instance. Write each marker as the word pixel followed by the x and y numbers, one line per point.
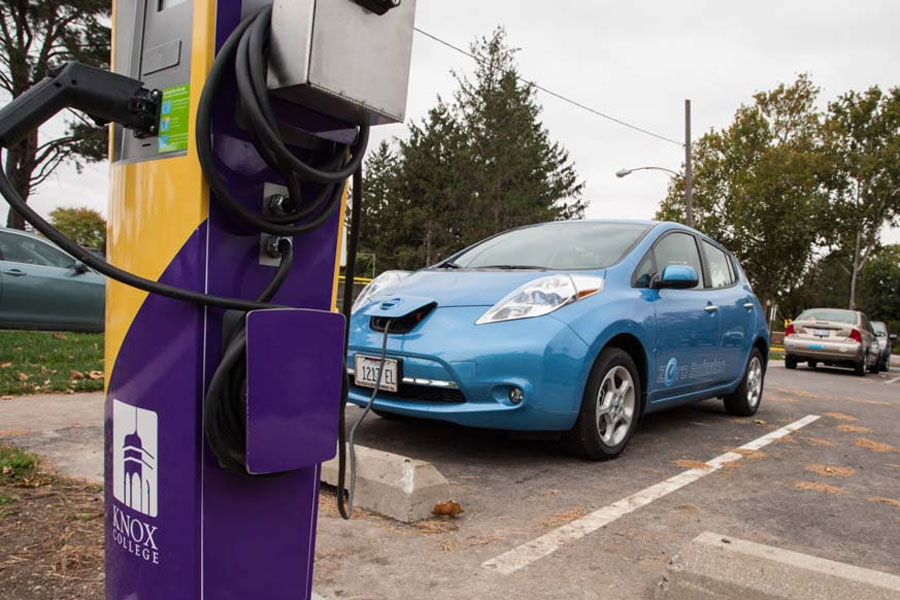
pixel 557 95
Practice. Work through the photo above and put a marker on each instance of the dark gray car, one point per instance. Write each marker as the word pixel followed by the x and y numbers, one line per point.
pixel 885 339
pixel 42 287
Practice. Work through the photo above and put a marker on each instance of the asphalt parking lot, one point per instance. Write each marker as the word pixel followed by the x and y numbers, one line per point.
pixel 538 523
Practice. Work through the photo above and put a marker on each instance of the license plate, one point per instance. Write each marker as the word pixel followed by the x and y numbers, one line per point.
pixel 822 332
pixel 816 346
pixel 366 372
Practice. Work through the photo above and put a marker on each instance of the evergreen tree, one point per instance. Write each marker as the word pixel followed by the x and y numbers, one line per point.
pixel 473 167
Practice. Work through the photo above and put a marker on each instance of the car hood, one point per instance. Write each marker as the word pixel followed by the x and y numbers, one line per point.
pixel 462 288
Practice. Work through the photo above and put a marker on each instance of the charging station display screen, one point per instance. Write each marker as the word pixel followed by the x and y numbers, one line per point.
pixel 164 4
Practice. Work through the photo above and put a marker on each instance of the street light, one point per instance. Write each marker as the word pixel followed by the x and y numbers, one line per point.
pixel 625 172
pixel 688 168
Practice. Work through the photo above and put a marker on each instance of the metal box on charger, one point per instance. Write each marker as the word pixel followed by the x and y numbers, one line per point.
pixel 341 59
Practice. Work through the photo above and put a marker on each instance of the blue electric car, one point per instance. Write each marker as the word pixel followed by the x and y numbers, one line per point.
pixel 577 326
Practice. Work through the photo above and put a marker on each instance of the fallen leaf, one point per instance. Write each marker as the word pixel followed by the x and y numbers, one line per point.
pixel 564 517
pixel 450 508
pixel 5 365
pixel 59 336
pixel 22 377
pixel 818 487
pixel 684 463
pixel 73 374
pixel 6 397
pixel 841 416
pixel 754 454
pixel 831 470
pixel 874 446
pixel 890 501
pixel 759 421
pixel 853 429
pixel 95 374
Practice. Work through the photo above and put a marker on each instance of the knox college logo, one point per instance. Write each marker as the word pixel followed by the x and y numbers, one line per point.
pixel 135 450
pixel 135 458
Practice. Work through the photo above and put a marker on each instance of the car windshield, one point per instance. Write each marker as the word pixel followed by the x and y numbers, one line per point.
pixel 829 314
pixel 562 246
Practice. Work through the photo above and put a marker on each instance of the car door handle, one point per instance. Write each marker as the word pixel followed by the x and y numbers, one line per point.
pixel 15 273
pixel 749 305
pixel 710 308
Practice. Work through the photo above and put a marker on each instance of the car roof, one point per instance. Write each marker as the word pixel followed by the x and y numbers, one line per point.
pixel 24 233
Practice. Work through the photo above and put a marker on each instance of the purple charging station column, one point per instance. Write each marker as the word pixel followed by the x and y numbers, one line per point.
pixel 179 526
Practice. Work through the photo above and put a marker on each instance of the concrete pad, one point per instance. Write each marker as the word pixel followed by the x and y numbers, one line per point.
pixel 395 486
pixel 50 412
pixel 717 566
pixel 66 430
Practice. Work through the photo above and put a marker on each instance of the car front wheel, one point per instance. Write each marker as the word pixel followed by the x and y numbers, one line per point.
pixel 790 362
pixel 745 400
pixel 609 409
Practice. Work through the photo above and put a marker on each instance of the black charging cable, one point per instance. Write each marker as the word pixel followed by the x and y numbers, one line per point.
pixel 349 282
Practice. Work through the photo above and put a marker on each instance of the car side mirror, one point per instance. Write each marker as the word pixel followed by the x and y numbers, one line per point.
pixel 677 277
pixel 893 336
pixel 79 267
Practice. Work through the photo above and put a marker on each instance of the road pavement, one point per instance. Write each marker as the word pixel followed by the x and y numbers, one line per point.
pixel 816 471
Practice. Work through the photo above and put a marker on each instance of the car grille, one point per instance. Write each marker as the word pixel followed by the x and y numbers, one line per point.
pixel 404 324
pixel 420 393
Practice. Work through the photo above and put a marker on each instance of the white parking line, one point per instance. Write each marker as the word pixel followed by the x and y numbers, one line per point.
pixel 894 380
pixel 529 552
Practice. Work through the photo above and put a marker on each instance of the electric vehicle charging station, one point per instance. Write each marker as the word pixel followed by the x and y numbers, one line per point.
pixel 225 359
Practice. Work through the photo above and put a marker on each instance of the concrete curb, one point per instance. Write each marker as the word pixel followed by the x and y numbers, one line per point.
pixel 716 566
pixel 395 486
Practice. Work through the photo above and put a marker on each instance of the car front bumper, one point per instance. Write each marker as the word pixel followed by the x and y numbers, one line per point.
pixel 454 370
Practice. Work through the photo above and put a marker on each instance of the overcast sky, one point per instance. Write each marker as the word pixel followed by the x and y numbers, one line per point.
pixel 636 61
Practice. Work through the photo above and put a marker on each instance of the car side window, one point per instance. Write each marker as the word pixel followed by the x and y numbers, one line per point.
pixel 719 272
pixel 21 249
pixel 678 249
pixel 643 276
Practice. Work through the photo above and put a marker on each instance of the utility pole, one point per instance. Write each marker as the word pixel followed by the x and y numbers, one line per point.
pixel 688 168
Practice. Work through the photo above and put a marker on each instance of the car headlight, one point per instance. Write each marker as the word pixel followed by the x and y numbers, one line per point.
pixel 542 296
pixel 383 282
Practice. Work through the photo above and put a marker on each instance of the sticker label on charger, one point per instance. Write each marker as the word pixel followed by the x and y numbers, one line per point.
pixel 174 118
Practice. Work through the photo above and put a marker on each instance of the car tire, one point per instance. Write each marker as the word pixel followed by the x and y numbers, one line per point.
pixel 745 400
pixel 610 408
pixel 874 368
pixel 860 367
pixel 887 365
pixel 813 364
pixel 790 362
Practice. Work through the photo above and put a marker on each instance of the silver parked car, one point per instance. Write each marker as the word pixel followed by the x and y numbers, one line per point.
pixel 884 342
pixel 832 336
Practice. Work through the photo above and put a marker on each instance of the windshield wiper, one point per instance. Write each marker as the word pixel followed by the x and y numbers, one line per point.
pixel 448 265
pixel 513 267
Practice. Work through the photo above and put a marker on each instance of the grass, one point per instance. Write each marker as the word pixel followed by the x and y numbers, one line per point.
pixel 16 465
pixel 33 362
pixel 51 532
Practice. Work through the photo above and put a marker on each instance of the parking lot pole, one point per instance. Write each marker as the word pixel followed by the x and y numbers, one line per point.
pixel 688 168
